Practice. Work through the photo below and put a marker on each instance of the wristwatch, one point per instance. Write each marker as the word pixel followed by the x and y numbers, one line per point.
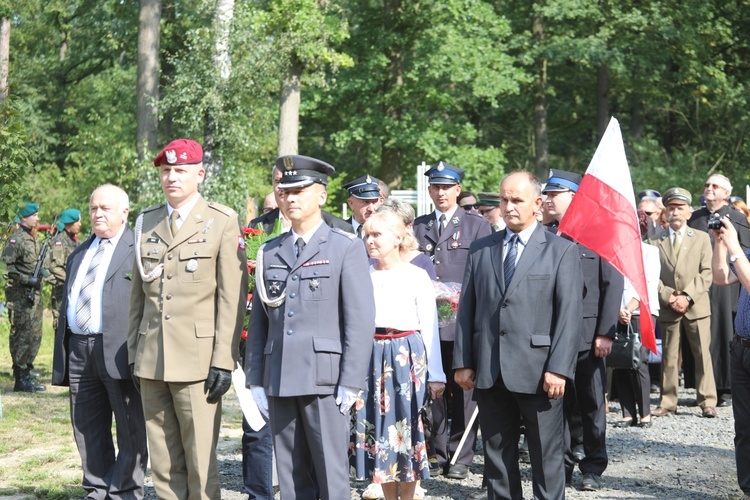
pixel 733 258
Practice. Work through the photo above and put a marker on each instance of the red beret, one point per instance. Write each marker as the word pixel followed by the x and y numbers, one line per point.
pixel 180 152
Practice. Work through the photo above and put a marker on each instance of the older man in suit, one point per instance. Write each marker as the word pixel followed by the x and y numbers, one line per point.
pixel 310 336
pixel 685 307
pixel 187 308
pixel 269 219
pixel 91 353
pixel 445 236
pixel 517 337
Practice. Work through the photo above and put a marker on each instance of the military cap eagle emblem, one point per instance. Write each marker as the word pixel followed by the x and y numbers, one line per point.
pixel 440 167
pixel 171 156
pixel 288 162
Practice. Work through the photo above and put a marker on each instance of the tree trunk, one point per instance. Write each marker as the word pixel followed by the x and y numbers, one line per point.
pixel 541 141
pixel 289 103
pixel 147 93
pixel 4 56
pixel 390 157
pixel 602 100
pixel 223 16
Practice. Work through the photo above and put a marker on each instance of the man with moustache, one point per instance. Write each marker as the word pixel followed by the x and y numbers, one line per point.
pixel 584 396
pixel 310 335
pixel 489 208
pixel 723 299
pixel 187 308
pixel 364 199
pixel 517 337
pixel 91 354
pixel 445 236
pixel 686 275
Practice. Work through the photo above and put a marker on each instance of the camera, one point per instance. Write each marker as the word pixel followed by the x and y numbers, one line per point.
pixel 714 223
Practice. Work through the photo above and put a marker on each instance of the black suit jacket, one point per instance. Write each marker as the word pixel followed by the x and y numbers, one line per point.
pixel 530 328
pixel 115 311
pixel 269 220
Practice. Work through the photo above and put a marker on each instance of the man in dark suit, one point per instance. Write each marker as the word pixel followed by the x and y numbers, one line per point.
pixel 584 396
pixel 364 199
pixel 269 219
pixel 91 353
pixel 517 338
pixel 310 336
pixel 445 236
pixel 717 192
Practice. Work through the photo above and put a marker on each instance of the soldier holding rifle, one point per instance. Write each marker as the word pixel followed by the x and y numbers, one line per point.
pixel 21 254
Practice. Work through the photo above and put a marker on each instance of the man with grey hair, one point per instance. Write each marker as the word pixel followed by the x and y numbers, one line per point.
pixel 717 191
pixel 90 352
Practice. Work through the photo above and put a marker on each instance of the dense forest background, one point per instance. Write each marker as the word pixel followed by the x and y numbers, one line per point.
pixel 91 89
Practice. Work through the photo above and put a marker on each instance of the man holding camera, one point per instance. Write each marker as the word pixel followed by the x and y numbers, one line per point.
pixel 717 191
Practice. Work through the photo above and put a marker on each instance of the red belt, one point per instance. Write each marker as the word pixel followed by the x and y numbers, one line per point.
pixel 392 333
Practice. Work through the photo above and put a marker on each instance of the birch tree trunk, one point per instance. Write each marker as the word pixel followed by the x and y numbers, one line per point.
pixel 4 56
pixel 147 92
pixel 222 62
pixel 289 103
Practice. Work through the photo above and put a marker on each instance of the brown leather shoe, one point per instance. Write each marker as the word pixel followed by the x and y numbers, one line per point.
pixel 660 412
pixel 710 412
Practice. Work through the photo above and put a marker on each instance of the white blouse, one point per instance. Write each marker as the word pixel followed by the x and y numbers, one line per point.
pixel 405 300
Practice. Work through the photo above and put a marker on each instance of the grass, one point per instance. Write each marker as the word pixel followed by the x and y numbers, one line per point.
pixel 38 456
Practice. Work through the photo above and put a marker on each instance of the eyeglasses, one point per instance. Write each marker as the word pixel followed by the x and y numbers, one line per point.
pixel 470 207
pixel 488 210
pixel 712 185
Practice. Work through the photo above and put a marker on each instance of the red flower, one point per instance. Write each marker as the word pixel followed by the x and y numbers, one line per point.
pixel 244 334
pixel 250 266
pixel 251 231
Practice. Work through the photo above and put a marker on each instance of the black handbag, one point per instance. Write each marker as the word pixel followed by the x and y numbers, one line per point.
pixel 626 350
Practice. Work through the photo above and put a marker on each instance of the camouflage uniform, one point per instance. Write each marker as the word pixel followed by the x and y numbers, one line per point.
pixel 60 247
pixel 20 255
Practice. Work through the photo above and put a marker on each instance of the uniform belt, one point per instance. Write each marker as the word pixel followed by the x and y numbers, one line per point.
pixel 392 333
pixel 743 341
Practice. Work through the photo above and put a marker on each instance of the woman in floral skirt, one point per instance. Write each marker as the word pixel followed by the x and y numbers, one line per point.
pixel 388 442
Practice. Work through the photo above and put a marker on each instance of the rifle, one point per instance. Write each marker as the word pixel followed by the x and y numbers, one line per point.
pixel 40 262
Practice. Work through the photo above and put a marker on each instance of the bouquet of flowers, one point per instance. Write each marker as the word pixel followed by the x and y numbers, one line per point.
pixel 254 239
pixel 446 297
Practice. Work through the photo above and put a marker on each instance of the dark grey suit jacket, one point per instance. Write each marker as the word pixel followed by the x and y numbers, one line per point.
pixel 532 327
pixel 115 311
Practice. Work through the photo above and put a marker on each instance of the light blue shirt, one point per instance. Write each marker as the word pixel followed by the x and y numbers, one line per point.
pixel 523 239
pixel 96 296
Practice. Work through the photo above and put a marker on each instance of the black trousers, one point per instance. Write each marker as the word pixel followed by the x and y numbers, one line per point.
pixel 587 390
pixel 634 386
pixel 740 368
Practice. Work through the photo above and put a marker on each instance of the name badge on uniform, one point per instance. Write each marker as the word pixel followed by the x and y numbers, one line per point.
pixel 192 266
pixel 152 240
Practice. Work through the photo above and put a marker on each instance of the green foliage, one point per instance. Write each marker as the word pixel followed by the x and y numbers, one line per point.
pixel 15 161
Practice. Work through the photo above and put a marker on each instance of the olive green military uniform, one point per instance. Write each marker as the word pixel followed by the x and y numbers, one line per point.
pixel 60 247
pixel 20 254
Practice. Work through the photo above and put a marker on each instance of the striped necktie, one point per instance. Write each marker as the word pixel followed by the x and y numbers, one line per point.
pixel 83 307
pixel 509 266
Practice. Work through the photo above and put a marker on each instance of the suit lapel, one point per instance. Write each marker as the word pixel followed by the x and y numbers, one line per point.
pixel 286 249
pixel 531 253
pixel 122 250
pixel 72 271
pixel 496 255
pixel 195 222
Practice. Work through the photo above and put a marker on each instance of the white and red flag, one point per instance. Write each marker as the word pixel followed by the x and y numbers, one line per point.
pixel 602 217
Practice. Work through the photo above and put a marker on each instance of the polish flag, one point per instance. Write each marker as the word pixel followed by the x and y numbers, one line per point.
pixel 602 217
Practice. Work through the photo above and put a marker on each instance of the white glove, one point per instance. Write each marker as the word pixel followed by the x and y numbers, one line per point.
pixel 345 398
pixel 259 395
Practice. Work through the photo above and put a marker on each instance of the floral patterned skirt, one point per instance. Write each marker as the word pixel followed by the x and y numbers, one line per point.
pixel 387 442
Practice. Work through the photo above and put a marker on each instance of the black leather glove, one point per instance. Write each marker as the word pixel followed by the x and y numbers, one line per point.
pixel 217 383
pixel 34 282
pixel 136 380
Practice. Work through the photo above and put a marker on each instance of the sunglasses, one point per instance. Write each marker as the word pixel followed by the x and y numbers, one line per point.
pixel 470 207
pixel 715 186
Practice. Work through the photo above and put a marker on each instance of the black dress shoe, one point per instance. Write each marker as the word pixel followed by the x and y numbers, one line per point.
pixel 644 424
pixel 591 482
pixel 435 468
pixel 630 422
pixel 458 471
pixel 578 453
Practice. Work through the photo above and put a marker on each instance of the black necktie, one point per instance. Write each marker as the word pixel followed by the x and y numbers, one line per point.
pixel 509 266
pixel 360 229
pixel 441 222
pixel 299 245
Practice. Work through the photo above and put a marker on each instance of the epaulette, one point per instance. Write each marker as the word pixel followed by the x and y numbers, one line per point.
pixel 475 214
pixel 221 208
pixel 153 207
pixel 344 233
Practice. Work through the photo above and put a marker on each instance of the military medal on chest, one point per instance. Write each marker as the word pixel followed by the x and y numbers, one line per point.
pixel 314 284
pixel 455 243
pixel 192 266
pixel 274 289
